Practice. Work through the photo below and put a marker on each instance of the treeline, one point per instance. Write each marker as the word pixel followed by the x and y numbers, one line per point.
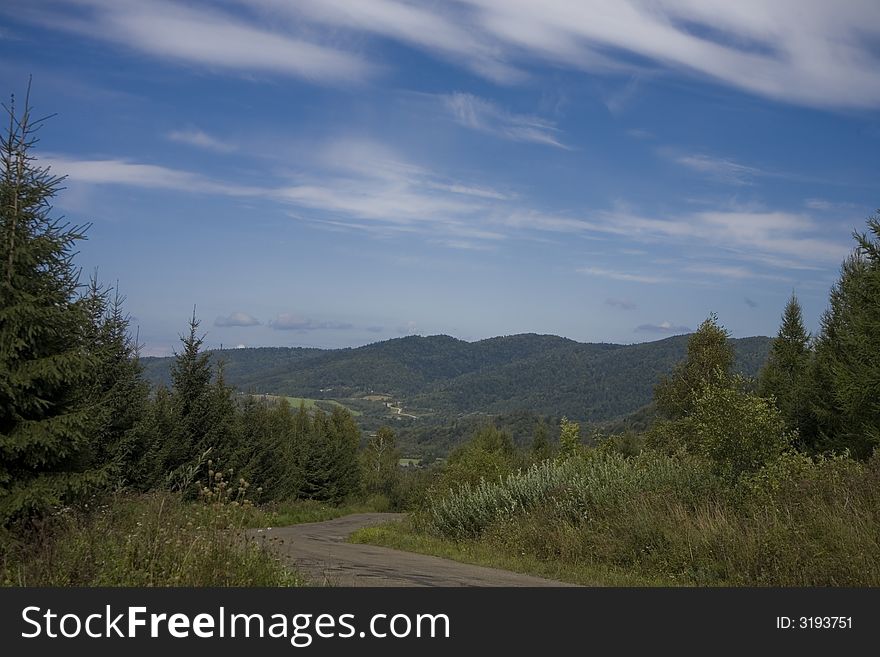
pixel 734 480
pixel 77 418
pixel 282 453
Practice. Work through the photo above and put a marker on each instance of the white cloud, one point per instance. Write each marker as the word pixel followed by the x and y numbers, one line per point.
pixel 237 319
pixel 135 174
pixel 663 327
pixel 731 271
pixel 813 53
pixel 201 35
pixel 482 115
pixel 781 235
pixel 200 139
pixel 437 29
pixel 720 169
pixel 621 275
pixel 363 185
pixel 291 322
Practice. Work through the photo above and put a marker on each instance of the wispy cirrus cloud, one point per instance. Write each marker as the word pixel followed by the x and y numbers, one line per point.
pixel 138 174
pixel 442 30
pixel 199 34
pixel 356 184
pixel 785 236
pixel 236 319
pixel 621 275
pixel 485 116
pixel 739 272
pixel 811 53
pixel 818 54
pixel 201 139
pixel 718 168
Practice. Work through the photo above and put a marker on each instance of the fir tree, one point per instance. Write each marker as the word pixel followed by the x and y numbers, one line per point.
pixel 190 410
pixel 846 368
pixel 119 391
pixel 46 416
pixel 785 376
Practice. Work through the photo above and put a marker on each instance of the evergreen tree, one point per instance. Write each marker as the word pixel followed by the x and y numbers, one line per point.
pixel 786 374
pixel 202 415
pixel 119 391
pixel 846 368
pixel 46 416
pixel 266 453
pixel 329 455
pixel 709 361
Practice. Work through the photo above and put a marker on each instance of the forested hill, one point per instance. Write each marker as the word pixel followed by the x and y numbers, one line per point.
pixel 442 375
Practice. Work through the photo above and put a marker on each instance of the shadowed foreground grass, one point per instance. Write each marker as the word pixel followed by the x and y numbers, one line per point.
pixel 157 539
pixel 402 536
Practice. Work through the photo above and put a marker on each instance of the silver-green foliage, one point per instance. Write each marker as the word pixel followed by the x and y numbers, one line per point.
pixel 575 490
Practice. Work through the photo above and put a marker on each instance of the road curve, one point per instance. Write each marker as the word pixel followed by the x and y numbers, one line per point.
pixel 318 550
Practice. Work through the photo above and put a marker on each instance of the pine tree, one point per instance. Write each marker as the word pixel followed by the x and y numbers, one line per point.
pixel 191 405
pixel 846 368
pixel 785 376
pixel 46 416
pixel 119 391
pixel 709 361
pixel 265 450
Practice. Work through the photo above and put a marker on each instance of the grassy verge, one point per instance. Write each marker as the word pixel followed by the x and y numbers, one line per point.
pixel 656 519
pixel 299 511
pixel 402 536
pixel 143 540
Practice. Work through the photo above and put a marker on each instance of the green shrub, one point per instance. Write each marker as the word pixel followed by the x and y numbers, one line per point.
pixel 737 430
pixel 574 489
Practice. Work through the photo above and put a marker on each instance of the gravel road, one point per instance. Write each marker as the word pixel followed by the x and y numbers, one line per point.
pixel 318 550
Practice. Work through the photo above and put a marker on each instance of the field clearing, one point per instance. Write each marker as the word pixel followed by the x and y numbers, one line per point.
pixel 311 404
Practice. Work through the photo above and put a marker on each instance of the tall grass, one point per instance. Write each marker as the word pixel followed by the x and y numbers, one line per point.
pixel 572 490
pixel 795 522
pixel 157 539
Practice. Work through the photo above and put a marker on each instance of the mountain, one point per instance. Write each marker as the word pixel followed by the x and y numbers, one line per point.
pixel 443 377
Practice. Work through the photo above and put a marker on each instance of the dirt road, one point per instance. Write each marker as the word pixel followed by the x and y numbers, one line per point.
pixel 318 550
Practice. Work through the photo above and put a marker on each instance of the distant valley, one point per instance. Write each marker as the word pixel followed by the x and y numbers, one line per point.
pixel 432 389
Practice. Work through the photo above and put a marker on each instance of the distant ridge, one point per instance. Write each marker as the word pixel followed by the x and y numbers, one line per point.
pixel 442 375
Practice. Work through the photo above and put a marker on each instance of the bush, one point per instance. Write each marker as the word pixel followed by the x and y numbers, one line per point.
pixel 737 430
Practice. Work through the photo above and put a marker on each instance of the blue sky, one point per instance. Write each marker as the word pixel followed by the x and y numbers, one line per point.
pixel 336 172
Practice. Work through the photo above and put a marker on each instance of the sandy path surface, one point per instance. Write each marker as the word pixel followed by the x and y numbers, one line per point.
pixel 319 551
